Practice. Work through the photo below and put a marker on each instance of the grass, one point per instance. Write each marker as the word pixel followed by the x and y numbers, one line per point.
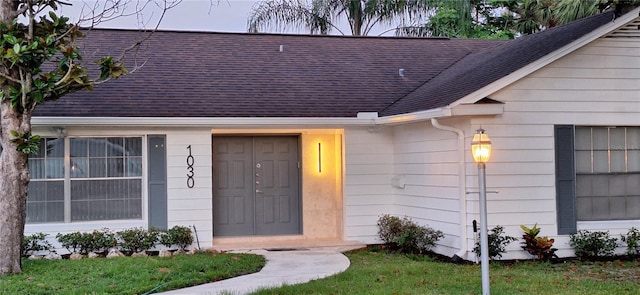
pixel 126 275
pixel 377 272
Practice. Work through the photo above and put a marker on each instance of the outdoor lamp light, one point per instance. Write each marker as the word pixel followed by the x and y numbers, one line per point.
pixel 481 146
pixel 481 151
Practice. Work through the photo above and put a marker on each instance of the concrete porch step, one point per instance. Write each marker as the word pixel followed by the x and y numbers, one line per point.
pixel 288 243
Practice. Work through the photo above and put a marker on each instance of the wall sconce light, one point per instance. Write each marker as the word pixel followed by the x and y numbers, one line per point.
pixel 319 157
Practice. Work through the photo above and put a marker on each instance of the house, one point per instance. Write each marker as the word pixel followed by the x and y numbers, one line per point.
pixel 254 138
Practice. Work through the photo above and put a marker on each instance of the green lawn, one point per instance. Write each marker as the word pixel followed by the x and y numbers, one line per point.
pixel 373 272
pixel 126 275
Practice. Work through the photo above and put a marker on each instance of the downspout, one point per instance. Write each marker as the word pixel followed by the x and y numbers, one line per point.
pixel 462 184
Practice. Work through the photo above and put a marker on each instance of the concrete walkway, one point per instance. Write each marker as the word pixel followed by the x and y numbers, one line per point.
pixel 282 268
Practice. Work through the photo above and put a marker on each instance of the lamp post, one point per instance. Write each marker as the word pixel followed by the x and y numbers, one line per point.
pixel 481 151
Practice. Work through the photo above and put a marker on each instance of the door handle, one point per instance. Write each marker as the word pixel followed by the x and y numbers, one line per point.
pixel 259 191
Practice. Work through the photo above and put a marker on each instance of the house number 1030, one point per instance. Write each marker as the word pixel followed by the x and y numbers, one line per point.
pixel 190 161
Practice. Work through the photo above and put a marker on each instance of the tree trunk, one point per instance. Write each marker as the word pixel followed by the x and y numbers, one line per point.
pixel 14 179
pixel 14 171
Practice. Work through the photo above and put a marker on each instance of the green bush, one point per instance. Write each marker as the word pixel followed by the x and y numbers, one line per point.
pixel 101 240
pixel 540 247
pixel 590 245
pixel 179 236
pixel 34 243
pixel 632 239
pixel 137 239
pixel 83 243
pixel 403 235
pixel 70 241
pixel 497 243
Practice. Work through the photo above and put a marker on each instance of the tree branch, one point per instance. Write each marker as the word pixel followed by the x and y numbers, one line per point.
pixel 12 79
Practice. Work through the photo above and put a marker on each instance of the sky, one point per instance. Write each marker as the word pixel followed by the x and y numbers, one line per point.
pixel 189 15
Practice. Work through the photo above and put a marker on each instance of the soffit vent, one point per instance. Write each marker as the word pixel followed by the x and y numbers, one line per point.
pixel 631 30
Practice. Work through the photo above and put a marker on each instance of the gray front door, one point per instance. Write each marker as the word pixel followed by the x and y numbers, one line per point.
pixel 256 185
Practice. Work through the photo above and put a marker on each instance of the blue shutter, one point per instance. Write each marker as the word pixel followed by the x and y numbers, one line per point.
pixel 565 179
pixel 157 163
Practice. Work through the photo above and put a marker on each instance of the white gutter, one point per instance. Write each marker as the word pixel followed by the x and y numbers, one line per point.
pixel 462 184
pixel 200 121
pixel 415 116
pixel 363 119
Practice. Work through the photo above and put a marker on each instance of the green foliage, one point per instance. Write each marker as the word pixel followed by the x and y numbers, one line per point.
pixel 97 241
pixel 44 64
pixel 26 143
pixel 632 239
pixel 402 234
pixel 34 243
pixel 497 243
pixel 592 245
pixel 70 241
pixel 126 275
pixel 137 239
pixel 179 236
pixel 541 247
pixel 321 16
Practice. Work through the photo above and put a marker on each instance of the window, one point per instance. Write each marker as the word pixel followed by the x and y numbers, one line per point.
pixel 607 173
pixel 597 174
pixel 104 181
pixel 45 200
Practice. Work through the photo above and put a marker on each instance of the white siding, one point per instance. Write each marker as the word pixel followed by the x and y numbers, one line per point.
pixel 427 160
pixel 598 85
pixel 368 172
pixel 190 206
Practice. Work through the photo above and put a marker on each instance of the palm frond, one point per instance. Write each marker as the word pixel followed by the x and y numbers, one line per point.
pixel 281 15
pixel 569 10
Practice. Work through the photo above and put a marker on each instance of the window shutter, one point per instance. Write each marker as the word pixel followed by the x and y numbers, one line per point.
pixel 565 179
pixel 157 161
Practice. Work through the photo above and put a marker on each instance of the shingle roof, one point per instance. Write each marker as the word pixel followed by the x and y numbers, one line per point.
pixel 484 67
pixel 191 74
pixel 197 74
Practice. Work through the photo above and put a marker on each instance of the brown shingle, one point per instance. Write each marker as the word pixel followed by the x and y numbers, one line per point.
pixel 191 74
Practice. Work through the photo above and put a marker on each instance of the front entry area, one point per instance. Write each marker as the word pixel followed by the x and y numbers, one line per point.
pixel 256 186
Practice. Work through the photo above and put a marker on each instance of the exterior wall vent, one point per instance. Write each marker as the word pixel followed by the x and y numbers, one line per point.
pixel 631 30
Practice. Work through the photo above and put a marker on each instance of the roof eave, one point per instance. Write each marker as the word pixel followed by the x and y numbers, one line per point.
pixel 369 119
pixel 226 122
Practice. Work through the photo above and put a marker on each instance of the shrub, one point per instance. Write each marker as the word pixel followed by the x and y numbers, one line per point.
pixel 83 243
pixel 497 243
pixel 404 235
pixel 34 243
pixel 100 240
pixel 591 245
pixel 540 247
pixel 179 236
pixel 70 241
pixel 137 239
pixel 632 239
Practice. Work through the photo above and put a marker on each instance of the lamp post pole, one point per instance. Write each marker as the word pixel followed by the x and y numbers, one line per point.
pixel 484 236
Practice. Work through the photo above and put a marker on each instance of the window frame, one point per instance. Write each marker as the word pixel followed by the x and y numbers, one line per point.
pixel 68 179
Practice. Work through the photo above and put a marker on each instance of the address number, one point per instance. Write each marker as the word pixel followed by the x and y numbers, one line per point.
pixel 190 162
